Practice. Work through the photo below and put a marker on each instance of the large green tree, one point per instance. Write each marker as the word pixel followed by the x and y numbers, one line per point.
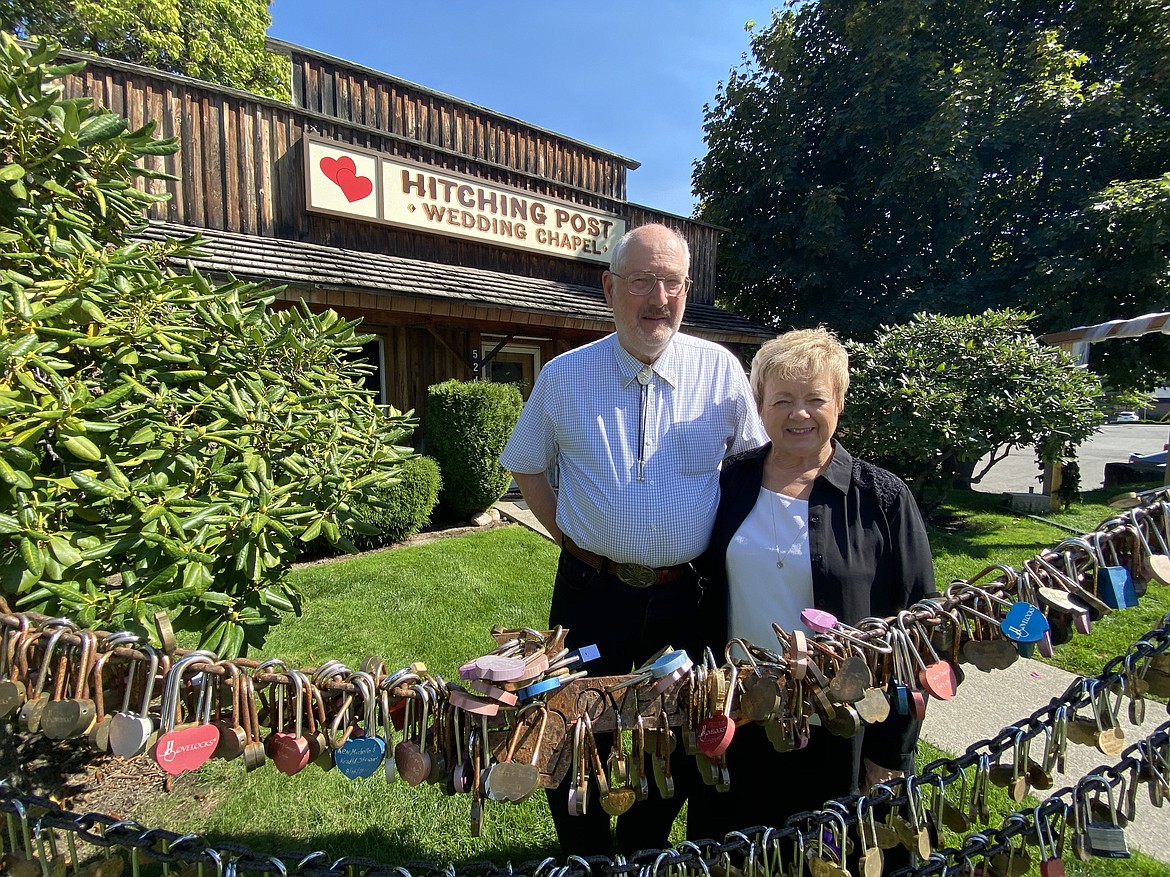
pixel 217 40
pixel 877 159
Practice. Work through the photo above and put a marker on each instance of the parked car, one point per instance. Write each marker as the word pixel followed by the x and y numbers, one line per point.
pixel 1158 458
pixel 1126 417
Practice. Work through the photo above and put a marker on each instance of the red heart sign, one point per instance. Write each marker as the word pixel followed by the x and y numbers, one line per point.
pixel 330 166
pixel 352 186
pixel 343 172
pixel 186 748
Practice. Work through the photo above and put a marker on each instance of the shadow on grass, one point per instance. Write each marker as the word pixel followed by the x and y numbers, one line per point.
pixel 383 847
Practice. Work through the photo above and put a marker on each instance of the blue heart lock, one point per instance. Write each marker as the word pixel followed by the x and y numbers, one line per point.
pixel 1024 623
pixel 360 756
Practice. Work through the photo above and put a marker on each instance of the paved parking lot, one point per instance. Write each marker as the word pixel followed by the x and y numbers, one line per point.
pixel 1113 443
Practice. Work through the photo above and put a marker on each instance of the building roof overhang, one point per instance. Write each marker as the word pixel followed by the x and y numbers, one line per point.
pixel 376 279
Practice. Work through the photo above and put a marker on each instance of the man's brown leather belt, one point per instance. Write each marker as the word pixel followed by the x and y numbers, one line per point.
pixel 633 574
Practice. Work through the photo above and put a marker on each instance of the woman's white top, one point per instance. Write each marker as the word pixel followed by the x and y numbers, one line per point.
pixel 759 592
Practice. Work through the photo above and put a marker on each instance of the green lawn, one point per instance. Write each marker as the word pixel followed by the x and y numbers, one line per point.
pixel 436 602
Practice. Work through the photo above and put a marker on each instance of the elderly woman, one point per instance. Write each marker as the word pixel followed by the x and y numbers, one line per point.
pixel 801 523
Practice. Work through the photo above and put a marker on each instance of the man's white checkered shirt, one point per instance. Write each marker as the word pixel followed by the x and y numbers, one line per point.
pixel 584 414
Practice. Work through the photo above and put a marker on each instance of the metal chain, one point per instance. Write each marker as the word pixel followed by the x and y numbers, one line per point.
pixel 690 858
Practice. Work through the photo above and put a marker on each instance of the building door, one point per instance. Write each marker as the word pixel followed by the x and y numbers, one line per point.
pixel 514 364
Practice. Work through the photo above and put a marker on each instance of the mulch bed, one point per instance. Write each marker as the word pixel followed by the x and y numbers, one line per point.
pixel 77 778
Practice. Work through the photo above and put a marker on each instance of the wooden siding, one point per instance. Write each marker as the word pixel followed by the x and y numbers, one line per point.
pixel 323 85
pixel 239 166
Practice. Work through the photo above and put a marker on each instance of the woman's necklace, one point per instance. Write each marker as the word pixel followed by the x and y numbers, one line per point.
pixel 776 532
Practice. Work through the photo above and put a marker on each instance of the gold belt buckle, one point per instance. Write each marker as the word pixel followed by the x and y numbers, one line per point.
pixel 635 574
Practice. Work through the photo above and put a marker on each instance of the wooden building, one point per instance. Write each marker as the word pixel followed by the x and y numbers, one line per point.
pixel 471 243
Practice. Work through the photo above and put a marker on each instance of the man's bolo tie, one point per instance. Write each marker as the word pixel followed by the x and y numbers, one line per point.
pixel 645 376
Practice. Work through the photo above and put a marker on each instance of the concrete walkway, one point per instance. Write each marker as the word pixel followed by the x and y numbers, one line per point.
pixel 518 513
pixel 986 703
pixel 989 702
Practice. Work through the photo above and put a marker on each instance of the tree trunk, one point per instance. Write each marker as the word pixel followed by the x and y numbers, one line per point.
pixel 960 472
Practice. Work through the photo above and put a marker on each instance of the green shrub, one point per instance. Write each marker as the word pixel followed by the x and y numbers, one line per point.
pixel 468 424
pixel 400 510
pixel 930 397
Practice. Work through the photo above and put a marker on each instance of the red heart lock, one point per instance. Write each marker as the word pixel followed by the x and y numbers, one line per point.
pixel 354 188
pixel 714 735
pixel 186 748
pixel 289 752
pixel 939 679
pixel 330 166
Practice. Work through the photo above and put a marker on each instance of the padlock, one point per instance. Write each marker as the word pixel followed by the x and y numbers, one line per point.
pixel 1105 839
pixel 1051 864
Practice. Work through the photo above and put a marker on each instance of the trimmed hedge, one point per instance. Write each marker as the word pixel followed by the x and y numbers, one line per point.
pixel 401 510
pixel 393 513
pixel 468 424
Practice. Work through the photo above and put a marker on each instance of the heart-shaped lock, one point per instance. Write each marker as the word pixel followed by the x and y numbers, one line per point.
pixel 851 680
pixel 494 668
pixel 71 716
pixel 817 620
pixel 98 735
pixel 1024 623
pixel 232 736
pixel 715 733
pixel 935 676
pixel 359 757
pixel 614 801
pixel 939 680
pixel 779 734
pixel 186 748
pixel 14 672
pixel 515 781
pixel 844 722
pixel 32 709
pixel 410 755
pixel 471 703
pixel 290 751
pixel 363 750
pixel 130 732
pixel 988 655
pixel 874 707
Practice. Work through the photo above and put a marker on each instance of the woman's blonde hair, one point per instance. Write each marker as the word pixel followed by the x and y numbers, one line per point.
pixel 802 355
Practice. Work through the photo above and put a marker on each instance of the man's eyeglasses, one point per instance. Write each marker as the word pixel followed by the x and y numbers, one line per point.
pixel 644 283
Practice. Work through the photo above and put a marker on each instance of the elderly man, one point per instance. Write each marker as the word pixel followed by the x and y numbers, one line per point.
pixel 638 424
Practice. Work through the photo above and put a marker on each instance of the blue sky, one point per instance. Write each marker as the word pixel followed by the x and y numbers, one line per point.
pixel 630 77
